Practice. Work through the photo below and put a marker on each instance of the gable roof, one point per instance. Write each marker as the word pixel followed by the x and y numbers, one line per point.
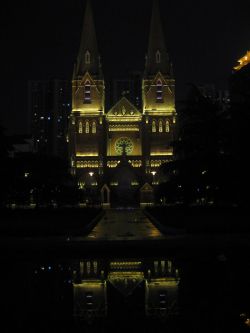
pixel 125 111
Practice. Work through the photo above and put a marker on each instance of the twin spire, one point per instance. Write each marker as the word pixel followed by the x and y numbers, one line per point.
pixel 157 59
pixel 88 56
pixel 89 59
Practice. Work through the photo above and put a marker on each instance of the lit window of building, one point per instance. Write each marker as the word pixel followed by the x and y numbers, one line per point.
pixel 167 126
pixel 87 92
pixel 160 126
pixel 87 127
pixel 159 91
pixel 153 126
pixel 80 127
pixel 94 127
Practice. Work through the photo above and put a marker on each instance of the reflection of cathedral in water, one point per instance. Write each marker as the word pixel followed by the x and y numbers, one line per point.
pixel 98 283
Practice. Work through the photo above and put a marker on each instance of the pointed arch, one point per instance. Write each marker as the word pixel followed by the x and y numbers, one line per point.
pixel 87 57
pixel 80 127
pixel 167 126
pixel 153 126
pixel 160 126
pixel 158 57
pixel 93 127
pixel 87 92
pixel 87 127
pixel 159 91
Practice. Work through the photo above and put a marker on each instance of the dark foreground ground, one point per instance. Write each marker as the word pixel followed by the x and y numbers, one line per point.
pixel 202 219
pixel 47 222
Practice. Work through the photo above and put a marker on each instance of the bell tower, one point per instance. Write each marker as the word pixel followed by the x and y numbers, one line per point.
pixel 158 95
pixel 88 94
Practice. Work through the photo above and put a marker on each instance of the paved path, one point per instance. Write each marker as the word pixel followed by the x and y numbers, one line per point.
pixel 124 225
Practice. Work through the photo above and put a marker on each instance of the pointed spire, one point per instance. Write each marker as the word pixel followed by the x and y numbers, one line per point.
pixel 88 56
pixel 157 57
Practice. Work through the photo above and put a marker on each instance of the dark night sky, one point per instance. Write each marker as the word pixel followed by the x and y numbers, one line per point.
pixel 40 39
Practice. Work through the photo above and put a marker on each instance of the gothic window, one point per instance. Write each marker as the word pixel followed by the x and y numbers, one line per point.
pixel 87 58
pixel 159 91
pixel 88 267
pixel 153 126
pixel 87 92
pixel 87 127
pixel 80 127
pixel 167 126
pixel 160 126
pixel 94 127
pixel 158 57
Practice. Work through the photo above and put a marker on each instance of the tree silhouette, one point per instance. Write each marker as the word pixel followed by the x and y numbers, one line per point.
pixel 198 173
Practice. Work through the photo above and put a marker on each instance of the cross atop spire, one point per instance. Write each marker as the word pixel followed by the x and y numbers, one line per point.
pixel 157 57
pixel 88 57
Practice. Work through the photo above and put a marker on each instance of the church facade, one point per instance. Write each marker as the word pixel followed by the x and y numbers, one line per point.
pixel 100 140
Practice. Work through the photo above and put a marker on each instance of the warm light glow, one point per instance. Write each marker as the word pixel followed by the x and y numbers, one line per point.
pixel 243 61
pixel 168 153
pixel 87 164
pixel 120 128
pixel 160 112
pixel 80 128
pixel 87 127
pixel 94 127
pixel 91 174
pixel 136 164
pixel 153 126
pixel 153 173
pixel 120 118
pixel 156 164
pixel 167 126
pixel 86 154
pixel 89 112
pixel 112 164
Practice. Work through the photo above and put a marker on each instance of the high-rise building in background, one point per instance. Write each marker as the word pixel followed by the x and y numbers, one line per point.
pixel 129 87
pixel 49 109
pixel 240 104
pixel 122 147
pixel 218 96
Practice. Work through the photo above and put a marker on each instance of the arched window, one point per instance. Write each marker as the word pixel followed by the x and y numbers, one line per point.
pixel 87 127
pixel 160 126
pixel 158 57
pixel 87 58
pixel 94 127
pixel 153 126
pixel 87 92
pixel 80 127
pixel 159 91
pixel 167 126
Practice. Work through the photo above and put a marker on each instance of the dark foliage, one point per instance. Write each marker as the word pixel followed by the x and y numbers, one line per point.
pixel 201 172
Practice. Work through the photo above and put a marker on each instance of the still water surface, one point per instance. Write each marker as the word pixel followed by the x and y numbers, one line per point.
pixel 184 293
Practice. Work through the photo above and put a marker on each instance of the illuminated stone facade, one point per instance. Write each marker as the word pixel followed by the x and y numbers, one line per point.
pixel 99 137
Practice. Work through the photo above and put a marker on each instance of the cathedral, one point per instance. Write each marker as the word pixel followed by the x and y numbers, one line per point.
pixel 118 152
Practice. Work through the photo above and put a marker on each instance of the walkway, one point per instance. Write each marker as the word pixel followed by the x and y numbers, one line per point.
pixel 125 225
